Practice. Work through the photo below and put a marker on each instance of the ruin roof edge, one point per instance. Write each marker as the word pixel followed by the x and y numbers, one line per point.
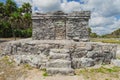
pixel 60 13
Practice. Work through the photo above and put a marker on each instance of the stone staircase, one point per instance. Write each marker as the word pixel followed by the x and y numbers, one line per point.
pixel 59 62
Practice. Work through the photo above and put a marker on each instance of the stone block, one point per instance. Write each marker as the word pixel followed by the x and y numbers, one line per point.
pixel 87 62
pixel 58 63
pixel 59 51
pixel 60 71
pixel 59 56
pixel 76 63
pixel 82 62
pixel 115 62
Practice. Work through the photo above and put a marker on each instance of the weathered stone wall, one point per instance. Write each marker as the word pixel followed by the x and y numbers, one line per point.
pixel 77 25
pixel 58 25
pixel 81 54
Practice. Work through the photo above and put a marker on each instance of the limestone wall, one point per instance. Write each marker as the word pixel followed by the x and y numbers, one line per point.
pixel 59 26
pixel 81 54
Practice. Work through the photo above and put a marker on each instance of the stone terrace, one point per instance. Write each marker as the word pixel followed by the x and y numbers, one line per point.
pixel 60 56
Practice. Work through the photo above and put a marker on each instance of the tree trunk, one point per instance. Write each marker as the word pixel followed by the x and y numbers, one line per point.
pixel 13 33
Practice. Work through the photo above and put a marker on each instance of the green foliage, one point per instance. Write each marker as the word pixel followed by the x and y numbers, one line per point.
pixel 92 35
pixel 10 7
pixel 5 30
pixel 15 21
pixel 25 33
pixel 89 30
pixel 26 8
pixel 114 34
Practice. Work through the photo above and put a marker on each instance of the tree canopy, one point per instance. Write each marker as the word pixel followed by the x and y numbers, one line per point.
pixel 14 20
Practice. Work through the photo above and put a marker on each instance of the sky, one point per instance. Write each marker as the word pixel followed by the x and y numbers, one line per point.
pixel 105 14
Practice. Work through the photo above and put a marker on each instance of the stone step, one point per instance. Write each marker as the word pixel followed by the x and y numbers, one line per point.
pixel 59 56
pixel 44 60
pixel 58 63
pixel 59 50
pixel 82 62
pixel 60 71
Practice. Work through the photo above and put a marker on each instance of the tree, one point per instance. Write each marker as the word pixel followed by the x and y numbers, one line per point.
pixel 27 20
pixel 5 29
pixel 89 30
pixel 93 35
pixel 14 18
pixel 116 33
pixel 26 15
pixel 10 7
pixel 15 21
pixel 26 8
pixel 2 10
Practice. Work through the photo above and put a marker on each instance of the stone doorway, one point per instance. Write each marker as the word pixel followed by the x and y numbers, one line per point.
pixel 60 29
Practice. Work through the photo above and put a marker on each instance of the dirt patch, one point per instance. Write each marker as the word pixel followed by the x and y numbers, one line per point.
pixel 9 71
pixel 108 72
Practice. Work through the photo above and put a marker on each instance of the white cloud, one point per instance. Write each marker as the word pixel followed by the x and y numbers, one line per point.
pixel 70 6
pixel 104 25
pixel 101 21
pixel 64 1
pixel 47 5
pixel 103 18
pixel 43 5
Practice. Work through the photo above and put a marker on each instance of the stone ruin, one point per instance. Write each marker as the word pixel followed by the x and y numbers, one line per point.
pixel 59 46
pixel 61 26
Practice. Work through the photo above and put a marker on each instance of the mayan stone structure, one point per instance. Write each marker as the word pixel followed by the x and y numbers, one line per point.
pixel 60 26
pixel 58 44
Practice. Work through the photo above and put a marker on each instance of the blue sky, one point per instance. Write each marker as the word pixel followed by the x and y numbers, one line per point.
pixel 105 14
pixel 2 0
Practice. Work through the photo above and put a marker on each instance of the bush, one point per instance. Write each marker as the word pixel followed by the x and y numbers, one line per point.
pixel 23 33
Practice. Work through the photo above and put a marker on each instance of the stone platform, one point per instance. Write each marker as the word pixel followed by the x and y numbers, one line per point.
pixel 60 56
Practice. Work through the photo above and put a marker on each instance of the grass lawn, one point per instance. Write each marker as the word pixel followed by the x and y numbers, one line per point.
pixel 101 73
pixel 106 40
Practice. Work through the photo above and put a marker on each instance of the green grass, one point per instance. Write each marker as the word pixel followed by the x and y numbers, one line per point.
pixel 94 73
pixel 27 66
pixel 101 70
pixel 45 74
pixel 106 40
